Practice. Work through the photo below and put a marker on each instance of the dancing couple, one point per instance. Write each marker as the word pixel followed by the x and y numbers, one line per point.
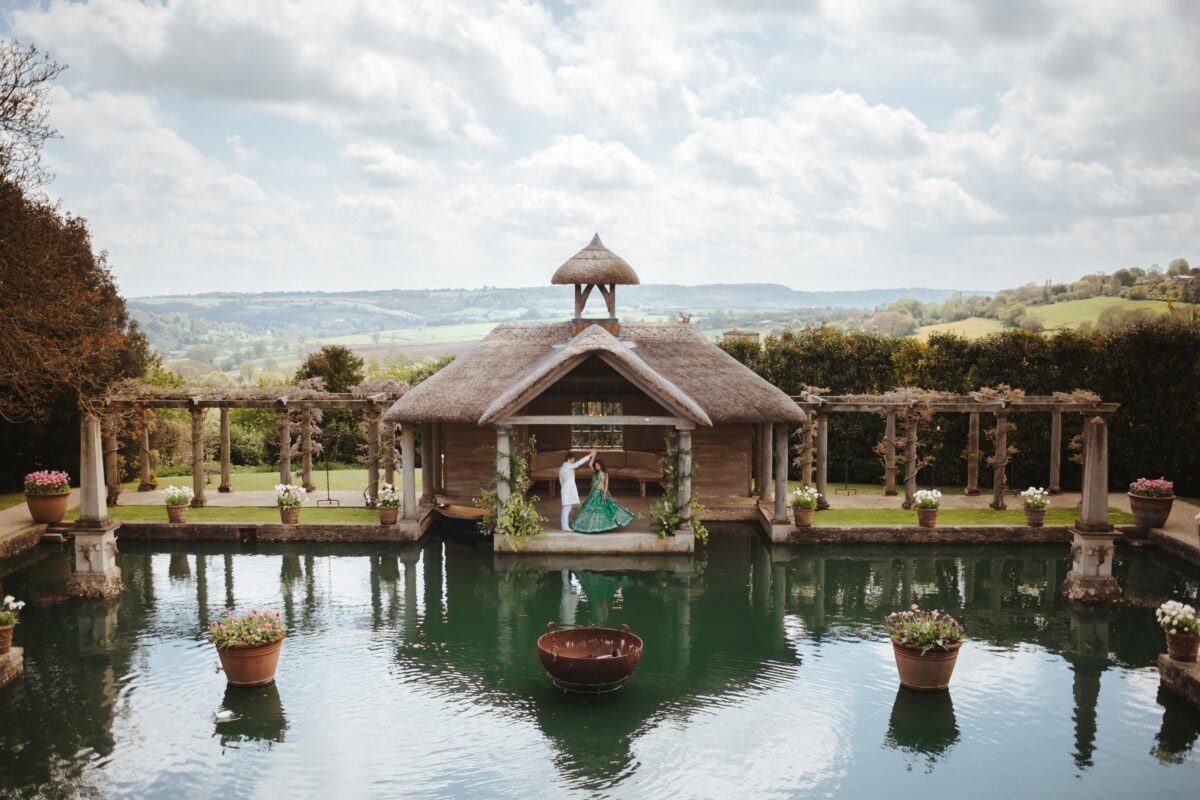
pixel 599 513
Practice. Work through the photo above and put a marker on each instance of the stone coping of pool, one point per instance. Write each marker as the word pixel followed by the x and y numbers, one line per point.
pixel 942 534
pixel 12 665
pixel 16 541
pixel 1181 677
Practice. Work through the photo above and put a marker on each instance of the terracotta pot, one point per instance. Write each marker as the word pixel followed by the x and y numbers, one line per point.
pixel 47 508
pixel 388 516
pixel 1183 646
pixel 1035 518
pixel 927 517
pixel 6 632
pixel 1150 512
pixel 177 514
pixel 290 516
pixel 250 666
pixel 804 517
pixel 925 673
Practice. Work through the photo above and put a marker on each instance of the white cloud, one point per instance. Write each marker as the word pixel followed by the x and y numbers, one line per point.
pixel 380 165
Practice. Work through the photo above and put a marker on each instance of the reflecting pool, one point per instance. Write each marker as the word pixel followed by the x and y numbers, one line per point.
pixel 411 672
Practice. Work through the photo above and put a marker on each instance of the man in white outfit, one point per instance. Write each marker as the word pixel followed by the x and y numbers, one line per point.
pixel 566 484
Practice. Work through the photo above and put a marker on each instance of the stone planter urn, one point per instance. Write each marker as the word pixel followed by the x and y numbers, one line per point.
pixel 388 516
pixel 1180 646
pixel 47 508
pixel 6 634
pixel 290 516
pixel 927 517
pixel 177 514
pixel 925 673
pixel 251 666
pixel 804 517
pixel 1150 512
pixel 1035 517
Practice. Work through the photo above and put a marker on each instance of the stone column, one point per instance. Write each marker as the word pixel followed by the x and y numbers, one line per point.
pixel 889 455
pixel 503 463
pixel 226 454
pixel 112 474
pixel 145 478
pixel 96 573
pixel 426 463
pixel 781 474
pixel 823 460
pixel 999 482
pixel 973 455
pixel 910 463
pixel 1090 579
pixel 198 478
pixel 285 446
pixel 1055 485
pixel 389 462
pixel 808 436
pixel 373 454
pixel 684 500
pixel 765 460
pixel 306 464
pixel 408 471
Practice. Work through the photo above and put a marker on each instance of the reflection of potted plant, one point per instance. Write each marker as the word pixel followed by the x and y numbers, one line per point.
pixel 388 504
pixel 249 646
pixel 1150 501
pixel 804 503
pixel 10 615
pixel 927 502
pixel 925 644
pixel 922 724
pixel 1035 501
pixel 251 715
pixel 46 494
pixel 178 498
pixel 289 498
pixel 1182 627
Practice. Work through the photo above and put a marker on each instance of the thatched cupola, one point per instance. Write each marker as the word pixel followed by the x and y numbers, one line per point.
pixel 595 266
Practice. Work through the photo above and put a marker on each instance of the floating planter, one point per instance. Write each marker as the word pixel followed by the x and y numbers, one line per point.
pixel 591 660
pixel 925 644
pixel 249 646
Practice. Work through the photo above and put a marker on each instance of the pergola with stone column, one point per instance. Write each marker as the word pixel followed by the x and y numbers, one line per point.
pixel 293 404
pixel 923 405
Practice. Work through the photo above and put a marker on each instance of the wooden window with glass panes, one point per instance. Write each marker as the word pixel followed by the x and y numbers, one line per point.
pixel 601 437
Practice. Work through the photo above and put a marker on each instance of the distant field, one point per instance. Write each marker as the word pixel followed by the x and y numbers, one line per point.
pixel 1073 312
pixel 970 328
pixel 408 337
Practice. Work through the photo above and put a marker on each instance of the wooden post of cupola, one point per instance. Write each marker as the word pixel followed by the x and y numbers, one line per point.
pixel 595 267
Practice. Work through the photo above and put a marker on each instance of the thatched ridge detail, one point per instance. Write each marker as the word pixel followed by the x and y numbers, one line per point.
pixel 595 264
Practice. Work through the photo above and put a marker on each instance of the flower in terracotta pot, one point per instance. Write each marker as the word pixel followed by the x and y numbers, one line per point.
pixel 289 498
pixel 248 646
pixel 388 504
pixel 1150 501
pixel 46 494
pixel 1036 501
pixel 1182 627
pixel 178 498
pixel 927 502
pixel 925 644
pixel 804 503
pixel 10 615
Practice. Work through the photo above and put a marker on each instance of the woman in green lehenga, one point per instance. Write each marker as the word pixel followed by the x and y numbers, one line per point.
pixel 599 512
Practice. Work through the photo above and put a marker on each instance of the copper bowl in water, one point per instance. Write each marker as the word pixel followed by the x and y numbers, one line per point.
pixel 589 659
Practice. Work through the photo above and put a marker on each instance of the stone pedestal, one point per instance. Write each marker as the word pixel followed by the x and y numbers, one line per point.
pixel 12 665
pixel 1181 677
pixel 96 571
pixel 1090 579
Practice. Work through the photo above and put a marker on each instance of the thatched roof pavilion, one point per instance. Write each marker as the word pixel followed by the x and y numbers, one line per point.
pixel 601 383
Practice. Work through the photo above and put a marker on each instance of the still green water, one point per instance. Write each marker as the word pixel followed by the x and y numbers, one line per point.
pixel 411 672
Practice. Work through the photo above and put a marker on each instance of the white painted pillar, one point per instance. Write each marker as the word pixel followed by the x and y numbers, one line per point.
pixel 408 466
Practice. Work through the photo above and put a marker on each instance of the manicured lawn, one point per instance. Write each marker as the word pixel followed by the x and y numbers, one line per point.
pixel 838 489
pixel 354 480
pixel 247 514
pixel 10 500
pixel 953 516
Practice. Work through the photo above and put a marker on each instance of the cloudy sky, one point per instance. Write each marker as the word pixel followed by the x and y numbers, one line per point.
pixel 306 144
